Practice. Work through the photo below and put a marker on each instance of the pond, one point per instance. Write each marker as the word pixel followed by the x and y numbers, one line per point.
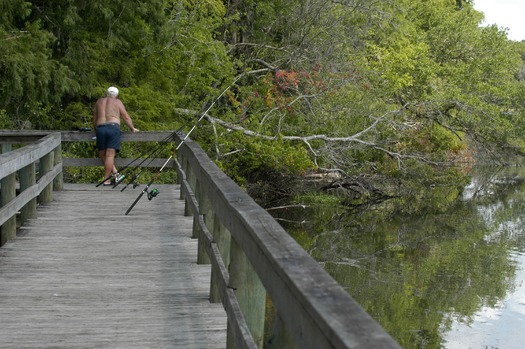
pixel 447 279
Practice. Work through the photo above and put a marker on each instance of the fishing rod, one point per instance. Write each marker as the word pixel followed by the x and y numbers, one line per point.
pixel 164 142
pixel 149 154
pixel 137 175
pixel 151 157
pixel 123 169
pixel 154 192
pixel 206 113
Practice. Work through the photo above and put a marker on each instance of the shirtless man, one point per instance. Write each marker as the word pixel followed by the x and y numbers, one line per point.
pixel 106 121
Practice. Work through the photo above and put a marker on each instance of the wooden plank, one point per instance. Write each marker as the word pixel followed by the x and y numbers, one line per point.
pixel 119 162
pixel 20 158
pixel 85 275
pixel 10 209
pixel 143 136
pixel 21 137
pixel 30 136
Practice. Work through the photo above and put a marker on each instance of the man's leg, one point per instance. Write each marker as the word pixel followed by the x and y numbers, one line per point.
pixel 102 156
pixel 109 163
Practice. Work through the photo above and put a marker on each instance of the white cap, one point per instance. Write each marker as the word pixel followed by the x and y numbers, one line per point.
pixel 113 91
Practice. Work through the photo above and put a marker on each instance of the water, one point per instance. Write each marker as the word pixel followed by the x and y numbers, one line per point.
pixel 448 278
pixel 502 324
pixel 499 326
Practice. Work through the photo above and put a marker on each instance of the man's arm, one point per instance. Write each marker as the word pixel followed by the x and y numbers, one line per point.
pixel 126 117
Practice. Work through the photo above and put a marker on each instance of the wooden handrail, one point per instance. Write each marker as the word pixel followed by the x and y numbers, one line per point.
pixel 252 257
pixel 27 137
pixel 44 151
pixel 43 148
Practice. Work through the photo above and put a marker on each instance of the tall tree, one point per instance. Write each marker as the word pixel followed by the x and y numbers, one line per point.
pixel 31 78
pixel 356 80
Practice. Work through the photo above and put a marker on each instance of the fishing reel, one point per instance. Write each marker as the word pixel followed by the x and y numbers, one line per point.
pixel 119 178
pixel 153 193
pixel 134 180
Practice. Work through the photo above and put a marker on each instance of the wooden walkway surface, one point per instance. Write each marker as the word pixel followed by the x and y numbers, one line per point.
pixel 84 275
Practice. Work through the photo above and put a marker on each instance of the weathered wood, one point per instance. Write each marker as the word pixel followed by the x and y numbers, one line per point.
pixel 46 165
pixel 30 136
pixel 13 206
pixel 7 194
pixel 20 137
pixel 249 291
pixel 237 327
pixel 222 238
pixel 27 137
pixel 119 162
pixel 149 136
pixel 20 158
pixel 84 275
pixel 27 180
pixel 317 312
pixel 58 182
pixel 22 162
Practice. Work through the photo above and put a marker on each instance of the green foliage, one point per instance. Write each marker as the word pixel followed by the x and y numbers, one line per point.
pixel 5 121
pixel 162 55
pixel 422 79
pixel 260 158
pixel 31 78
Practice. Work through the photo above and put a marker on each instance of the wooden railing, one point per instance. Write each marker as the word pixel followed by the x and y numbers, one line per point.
pixel 254 260
pixel 76 136
pixel 36 170
pixel 36 186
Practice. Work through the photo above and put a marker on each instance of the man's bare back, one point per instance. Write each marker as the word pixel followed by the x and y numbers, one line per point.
pixel 108 109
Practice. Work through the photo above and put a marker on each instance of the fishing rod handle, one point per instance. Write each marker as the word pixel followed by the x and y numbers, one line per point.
pixel 134 202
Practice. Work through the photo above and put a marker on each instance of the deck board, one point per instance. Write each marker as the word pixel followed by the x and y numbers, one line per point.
pixel 84 275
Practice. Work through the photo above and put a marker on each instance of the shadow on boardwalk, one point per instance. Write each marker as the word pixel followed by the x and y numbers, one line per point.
pixel 84 275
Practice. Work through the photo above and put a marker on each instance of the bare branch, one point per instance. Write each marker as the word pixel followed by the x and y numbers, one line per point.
pixel 266 64
pixel 286 207
pixel 17 36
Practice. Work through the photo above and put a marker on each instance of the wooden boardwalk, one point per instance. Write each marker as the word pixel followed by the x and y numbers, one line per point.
pixel 84 275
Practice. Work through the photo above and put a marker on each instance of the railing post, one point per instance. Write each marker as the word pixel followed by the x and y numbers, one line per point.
pixel 27 179
pixel 58 182
pixel 205 210
pixel 8 193
pixel 250 293
pixel 46 165
pixel 222 238
pixel 279 336
pixel 184 175
pixel 192 181
pixel 180 178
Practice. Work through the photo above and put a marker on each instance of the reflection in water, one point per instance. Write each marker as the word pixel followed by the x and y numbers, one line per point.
pixel 501 326
pixel 450 278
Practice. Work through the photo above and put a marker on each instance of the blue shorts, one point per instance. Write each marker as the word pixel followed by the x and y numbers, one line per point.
pixel 108 136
